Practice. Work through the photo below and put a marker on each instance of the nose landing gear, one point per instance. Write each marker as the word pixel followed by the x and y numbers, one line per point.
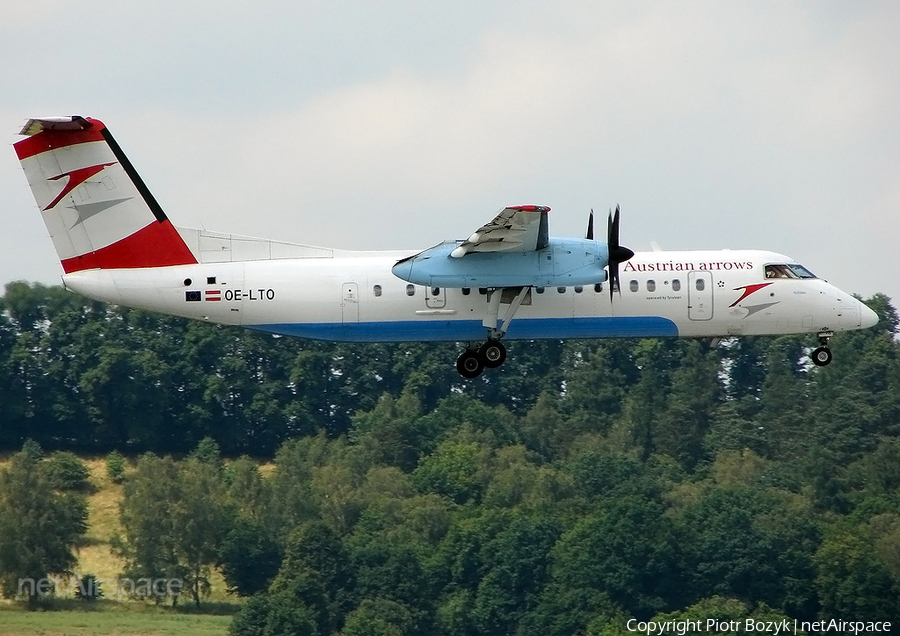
pixel 822 355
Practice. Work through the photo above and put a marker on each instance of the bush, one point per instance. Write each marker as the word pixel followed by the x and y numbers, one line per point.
pixel 273 615
pixel 115 467
pixel 32 451
pixel 207 452
pixel 249 557
pixel 66 471
pixel 88 589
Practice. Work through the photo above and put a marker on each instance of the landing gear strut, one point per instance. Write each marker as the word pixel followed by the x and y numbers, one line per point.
pixel 492 353
pixel 822 355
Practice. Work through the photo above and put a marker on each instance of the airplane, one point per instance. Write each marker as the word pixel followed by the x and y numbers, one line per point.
pixel 509 280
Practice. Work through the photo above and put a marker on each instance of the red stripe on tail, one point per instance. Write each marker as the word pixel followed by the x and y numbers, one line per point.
pixel 52 139
pixel 156 245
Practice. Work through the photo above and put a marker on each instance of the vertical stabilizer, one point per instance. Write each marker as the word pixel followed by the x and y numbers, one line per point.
pixel 96 207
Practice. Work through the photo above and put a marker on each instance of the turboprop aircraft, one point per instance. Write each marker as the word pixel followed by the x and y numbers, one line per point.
pixel 508 280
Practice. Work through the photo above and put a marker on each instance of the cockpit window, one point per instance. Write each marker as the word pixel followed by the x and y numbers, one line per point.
pixel 777 271
pixel 788 270
pixel 801 271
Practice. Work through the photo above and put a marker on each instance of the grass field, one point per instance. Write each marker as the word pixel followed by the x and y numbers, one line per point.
pixel 96 556
pixel 109 618
pixel 70 617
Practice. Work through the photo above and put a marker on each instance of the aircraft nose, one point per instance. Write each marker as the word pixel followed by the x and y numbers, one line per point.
pixel 868 318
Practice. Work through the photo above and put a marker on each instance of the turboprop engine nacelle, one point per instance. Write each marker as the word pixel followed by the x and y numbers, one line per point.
pixel 563 263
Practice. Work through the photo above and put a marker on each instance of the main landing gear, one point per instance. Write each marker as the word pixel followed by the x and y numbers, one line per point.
pixel 473 361
pixel 822 355
pixel 492 353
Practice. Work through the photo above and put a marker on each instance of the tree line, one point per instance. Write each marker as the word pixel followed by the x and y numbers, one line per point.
pixel 92 377
pixel 584 483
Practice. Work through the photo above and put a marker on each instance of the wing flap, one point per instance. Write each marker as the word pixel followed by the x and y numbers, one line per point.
pixel 521 228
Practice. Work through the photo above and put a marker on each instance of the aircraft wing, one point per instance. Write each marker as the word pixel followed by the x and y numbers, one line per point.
pixel 521 228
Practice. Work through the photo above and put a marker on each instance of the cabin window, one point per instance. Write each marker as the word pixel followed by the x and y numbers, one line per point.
pixel 210 280
pixel 376 290
pixel 676 285
pixel 435 291
pixel 561 290
pixel 539 290
pixel 466 291
pixel 633 285
pixel 187 282
pixel 410 290
pixel 651 285
pixel 700 284
pixel 578 289
pixel 598 287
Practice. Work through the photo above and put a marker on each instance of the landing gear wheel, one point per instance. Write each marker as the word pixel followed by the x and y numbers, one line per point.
pixel 470 364
pixel 493 353
pixel 821 356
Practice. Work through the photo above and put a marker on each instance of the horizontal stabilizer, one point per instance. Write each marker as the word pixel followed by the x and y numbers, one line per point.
pixel 40 124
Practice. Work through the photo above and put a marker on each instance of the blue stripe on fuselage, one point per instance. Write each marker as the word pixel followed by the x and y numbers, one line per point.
pixel 473 330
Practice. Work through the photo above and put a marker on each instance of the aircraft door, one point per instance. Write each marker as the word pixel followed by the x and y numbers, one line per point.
pixel 350 302
pixel 435 297
pixel 700 296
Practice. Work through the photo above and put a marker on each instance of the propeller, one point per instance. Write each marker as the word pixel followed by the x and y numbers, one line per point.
pixel 590 231
pixel 617 253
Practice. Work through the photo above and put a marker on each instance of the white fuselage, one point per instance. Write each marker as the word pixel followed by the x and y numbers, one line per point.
pixel 353 296
pixel 509 278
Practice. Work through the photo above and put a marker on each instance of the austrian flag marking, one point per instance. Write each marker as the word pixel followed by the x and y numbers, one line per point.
pixel 213 294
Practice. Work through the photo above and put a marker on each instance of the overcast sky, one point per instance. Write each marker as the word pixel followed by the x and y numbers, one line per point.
pixel 374 125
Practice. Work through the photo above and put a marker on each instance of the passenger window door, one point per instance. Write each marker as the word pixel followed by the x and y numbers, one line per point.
pixel 435 297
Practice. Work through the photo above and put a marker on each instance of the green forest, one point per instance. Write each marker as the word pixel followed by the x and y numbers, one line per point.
pixel 582 484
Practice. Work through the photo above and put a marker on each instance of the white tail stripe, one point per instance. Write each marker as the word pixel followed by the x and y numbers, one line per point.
pixel 84 215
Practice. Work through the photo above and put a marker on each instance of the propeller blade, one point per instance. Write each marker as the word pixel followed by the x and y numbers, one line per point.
pixel 609 231
pixel 615 229
pixel 612 242
pixel 613 279
pixel 617 253
pixel 590 231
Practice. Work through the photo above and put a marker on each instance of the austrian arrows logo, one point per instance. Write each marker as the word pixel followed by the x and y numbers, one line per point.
pixel 76 178
pixel 750 289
